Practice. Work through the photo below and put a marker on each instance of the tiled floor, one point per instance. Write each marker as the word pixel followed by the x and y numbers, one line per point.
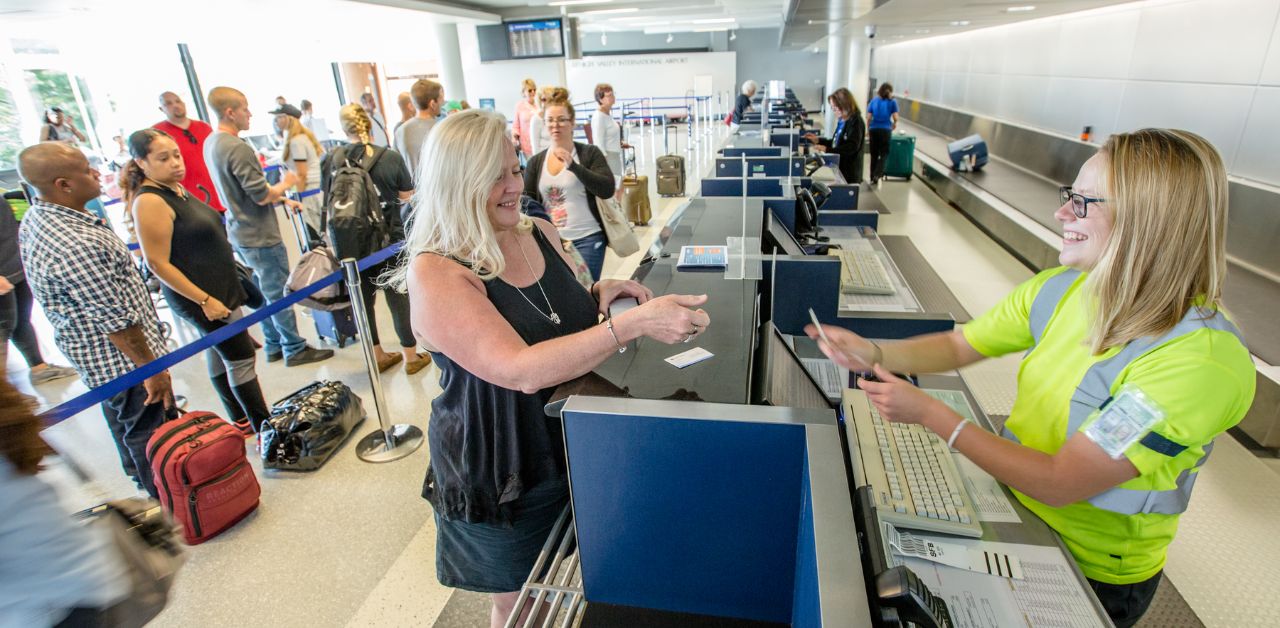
pixel 353 543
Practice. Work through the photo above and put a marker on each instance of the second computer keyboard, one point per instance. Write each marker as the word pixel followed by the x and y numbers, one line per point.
pixel 862 272
pixel 911 472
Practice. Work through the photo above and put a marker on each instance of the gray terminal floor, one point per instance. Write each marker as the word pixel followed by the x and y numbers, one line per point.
pixel 353 543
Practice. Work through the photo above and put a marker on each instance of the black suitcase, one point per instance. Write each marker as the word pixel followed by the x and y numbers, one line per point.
pixel 671 175
pixel 307 427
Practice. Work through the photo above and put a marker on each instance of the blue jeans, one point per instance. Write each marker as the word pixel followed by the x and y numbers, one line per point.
pixel 270 266
pixel 591 248
pixel 132 422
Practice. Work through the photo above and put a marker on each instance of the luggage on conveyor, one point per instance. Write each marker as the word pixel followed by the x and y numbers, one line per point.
pixel 902 152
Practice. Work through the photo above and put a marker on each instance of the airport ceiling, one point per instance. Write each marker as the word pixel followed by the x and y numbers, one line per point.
pixel 804 23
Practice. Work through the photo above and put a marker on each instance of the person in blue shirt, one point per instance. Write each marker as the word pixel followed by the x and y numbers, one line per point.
pixel 882 119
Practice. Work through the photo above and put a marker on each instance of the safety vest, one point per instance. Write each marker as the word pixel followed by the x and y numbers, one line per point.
pixel 1094 393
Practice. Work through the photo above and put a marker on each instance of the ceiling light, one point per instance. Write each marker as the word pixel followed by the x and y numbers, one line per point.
pixel 733 35
pixel 608 11
pixel 921 31
pixel 1021 9
pixel 651 24
pixel 565 3
pixel 719 20
pixel 710 30
pixel 960 23
pixel 815 50
pixel 670 37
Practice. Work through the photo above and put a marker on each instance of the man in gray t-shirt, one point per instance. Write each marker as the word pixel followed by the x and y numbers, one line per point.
pixel 252 225
pixel 410 136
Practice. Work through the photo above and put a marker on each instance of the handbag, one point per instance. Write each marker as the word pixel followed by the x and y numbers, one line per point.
pixel 147 540
pixel 617 232
pixel 254 297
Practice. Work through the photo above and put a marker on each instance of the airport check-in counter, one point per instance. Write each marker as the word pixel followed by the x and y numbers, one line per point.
pixel 691 507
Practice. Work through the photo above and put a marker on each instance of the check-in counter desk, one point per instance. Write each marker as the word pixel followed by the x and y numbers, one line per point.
pixel 693 508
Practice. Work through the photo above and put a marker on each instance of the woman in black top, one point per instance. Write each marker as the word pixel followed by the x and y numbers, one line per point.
pixel 849 134
pixel 494 295
pixel 395 187
pixel 185 244
pixel 743 104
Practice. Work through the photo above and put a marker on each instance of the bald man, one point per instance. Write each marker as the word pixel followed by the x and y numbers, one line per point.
pixel 407 110
pixel 190 136
pixel 253 225
pixel 92 293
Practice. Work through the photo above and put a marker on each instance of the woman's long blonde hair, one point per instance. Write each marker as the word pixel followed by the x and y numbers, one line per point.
pixel 1167 192
pixel 295 129
pixel 462 158
pixel 356 123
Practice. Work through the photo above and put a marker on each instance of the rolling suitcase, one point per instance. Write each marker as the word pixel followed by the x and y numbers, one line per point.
pixel 202 475
pixel 671 175
pixel 902 153
pixel 635 194
pixel 337 324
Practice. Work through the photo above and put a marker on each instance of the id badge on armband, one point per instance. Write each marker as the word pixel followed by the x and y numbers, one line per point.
pixel 1124 421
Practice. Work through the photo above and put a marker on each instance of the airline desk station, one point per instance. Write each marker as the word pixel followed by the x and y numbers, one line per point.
pixel 745 480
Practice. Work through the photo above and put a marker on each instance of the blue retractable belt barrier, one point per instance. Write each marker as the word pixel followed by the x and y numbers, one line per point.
pixel 120 384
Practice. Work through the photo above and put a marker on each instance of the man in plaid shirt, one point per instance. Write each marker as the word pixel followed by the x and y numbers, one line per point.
pixel 92 292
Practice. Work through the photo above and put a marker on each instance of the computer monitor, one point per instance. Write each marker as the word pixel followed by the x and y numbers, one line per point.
pixel 968 153
pixel 781 236
pixel 787 383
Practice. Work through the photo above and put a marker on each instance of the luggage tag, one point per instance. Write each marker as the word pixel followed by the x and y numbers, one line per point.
pixel 1124 420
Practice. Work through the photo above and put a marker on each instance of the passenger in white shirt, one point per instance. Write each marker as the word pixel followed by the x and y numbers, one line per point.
pixel 606 134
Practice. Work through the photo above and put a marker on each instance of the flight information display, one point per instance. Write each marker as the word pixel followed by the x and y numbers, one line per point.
pixel 535 38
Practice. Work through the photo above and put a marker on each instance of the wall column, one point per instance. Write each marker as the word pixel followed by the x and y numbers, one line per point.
pixel 837 67
pixel 450 56
pixel 859 70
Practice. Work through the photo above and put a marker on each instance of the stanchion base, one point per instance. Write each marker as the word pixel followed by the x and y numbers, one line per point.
pixel 405 440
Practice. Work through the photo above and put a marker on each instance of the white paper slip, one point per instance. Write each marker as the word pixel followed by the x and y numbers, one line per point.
pixel 686 358
pixel 980 558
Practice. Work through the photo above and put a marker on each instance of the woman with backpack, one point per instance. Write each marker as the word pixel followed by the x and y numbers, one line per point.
pixel 394 186
pixel 185 244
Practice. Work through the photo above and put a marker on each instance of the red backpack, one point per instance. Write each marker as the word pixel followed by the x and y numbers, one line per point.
pixel 202 474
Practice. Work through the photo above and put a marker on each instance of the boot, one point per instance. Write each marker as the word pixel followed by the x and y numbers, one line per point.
pixel 250 396
pixel 235 412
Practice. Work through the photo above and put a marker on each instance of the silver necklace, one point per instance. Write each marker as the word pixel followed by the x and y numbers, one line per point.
pixel 554 318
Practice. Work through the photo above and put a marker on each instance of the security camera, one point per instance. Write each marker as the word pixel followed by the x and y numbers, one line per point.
pixel 871 31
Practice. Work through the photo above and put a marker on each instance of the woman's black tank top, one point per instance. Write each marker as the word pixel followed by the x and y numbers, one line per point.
pixel 200 249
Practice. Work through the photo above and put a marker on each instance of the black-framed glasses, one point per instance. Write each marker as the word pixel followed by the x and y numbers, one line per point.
pixel 559 121
pixel 191 137
pixel 1079 202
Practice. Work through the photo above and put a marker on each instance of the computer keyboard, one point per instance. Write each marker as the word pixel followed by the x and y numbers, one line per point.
pixel 912 475
pixel 862 272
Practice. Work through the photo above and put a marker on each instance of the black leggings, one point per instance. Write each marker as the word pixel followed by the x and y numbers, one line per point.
pixel 15 323
pixel 397 302
pixel 879 151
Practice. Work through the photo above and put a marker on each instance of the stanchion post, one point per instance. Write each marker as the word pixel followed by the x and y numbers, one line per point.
pixel 389 442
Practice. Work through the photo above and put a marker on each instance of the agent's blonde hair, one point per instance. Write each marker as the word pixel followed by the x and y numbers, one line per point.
pixel 296 128
pixel 356 123
pixel 1167 192
pixel 462 158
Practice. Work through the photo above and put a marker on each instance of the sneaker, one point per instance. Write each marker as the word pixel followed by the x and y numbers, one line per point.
pixel 413 366
pixel 307 356
pixel 390 360
pixel 50 373
pixel 244 425
pixel 274 356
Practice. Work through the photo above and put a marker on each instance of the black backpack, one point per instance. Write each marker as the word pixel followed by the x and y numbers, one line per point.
pixel 352 217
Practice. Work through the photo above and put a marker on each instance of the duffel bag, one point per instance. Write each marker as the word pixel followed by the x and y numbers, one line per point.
pixel 307 427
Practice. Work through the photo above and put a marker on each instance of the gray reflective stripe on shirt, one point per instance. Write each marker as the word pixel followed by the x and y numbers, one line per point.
pixel 1046 302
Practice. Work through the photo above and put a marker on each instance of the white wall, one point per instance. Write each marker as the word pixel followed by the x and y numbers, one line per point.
pixel 668 74
pixel 500 80
pixel 1208 66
